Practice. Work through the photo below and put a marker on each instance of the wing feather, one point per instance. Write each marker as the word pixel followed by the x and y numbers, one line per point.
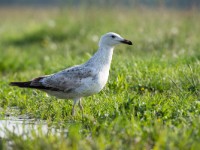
pixel 68 79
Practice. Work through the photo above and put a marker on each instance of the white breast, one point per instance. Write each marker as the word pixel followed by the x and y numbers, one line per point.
pixel 93 85
pixel 100 62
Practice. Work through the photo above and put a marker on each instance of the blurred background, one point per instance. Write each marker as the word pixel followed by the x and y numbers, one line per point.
pixel 151 100
pixel 70 28
pixel 181 4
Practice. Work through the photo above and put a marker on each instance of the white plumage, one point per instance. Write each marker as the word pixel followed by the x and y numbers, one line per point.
pixel 81 80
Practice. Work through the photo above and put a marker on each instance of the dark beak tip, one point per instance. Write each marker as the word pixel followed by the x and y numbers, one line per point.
pixel 127 42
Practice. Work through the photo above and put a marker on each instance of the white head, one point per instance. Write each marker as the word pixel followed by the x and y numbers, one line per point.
pixel 111 39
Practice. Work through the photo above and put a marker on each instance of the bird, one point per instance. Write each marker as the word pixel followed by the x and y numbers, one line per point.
pixel 81 80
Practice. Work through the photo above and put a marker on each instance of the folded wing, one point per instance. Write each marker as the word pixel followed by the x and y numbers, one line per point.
pixel 64 81
pixel 67 79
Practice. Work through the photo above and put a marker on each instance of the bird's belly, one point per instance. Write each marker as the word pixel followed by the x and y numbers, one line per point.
pixel 61 94
pixel 89 86
pixel 94 85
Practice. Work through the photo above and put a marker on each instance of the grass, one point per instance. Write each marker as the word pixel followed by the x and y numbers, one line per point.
pixel 152 99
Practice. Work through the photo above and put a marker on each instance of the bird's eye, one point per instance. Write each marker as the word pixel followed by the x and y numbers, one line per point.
pixel 112 36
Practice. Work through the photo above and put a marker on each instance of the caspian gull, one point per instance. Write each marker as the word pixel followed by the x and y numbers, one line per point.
pixel 81 80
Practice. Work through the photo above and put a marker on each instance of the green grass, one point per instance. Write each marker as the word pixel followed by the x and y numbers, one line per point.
pixel 152 99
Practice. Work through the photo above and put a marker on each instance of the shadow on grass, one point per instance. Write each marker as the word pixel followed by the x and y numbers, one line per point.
pixel 42 35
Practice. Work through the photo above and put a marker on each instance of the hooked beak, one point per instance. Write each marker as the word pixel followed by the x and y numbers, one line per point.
pixel 126 42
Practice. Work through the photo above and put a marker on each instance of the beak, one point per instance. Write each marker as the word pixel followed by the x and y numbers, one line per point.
pixel 126 42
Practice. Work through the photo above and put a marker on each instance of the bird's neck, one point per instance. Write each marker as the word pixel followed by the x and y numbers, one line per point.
pixel 102 58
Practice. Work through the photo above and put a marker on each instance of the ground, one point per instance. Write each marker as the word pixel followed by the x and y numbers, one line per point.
pixel 152 98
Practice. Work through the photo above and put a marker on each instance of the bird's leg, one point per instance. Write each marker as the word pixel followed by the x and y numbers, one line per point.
pixel 73 111
pixel 81 107
pixel 73 107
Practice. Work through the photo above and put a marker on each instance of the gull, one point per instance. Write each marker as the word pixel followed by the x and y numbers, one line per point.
pixel 80 80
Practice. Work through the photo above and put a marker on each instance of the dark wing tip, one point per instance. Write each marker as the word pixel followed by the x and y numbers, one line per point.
pixel 20 84
pixel 12 83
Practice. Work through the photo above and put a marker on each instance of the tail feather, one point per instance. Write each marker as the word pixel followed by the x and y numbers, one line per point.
pixel 22 84
pixel 34 84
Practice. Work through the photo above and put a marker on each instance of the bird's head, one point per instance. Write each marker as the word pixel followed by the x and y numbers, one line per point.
pixel 111 39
